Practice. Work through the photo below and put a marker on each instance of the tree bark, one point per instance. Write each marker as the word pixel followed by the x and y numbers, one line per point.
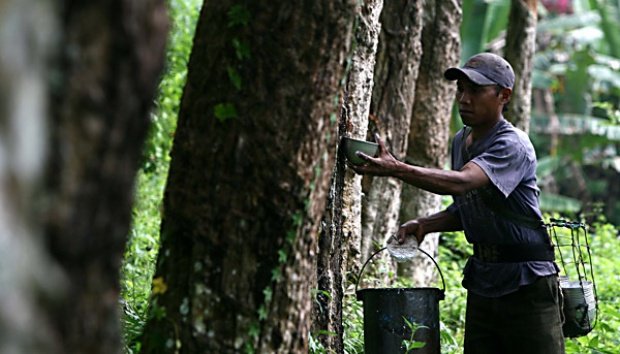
pixel 430 122
pixel 398 59
pixel 544 101
pixel 249 175
pixel 341 234
pixel 107 73
pixel 519 51
pixel 29 278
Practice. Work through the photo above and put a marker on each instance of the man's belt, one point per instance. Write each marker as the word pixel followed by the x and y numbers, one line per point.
pixel 513 253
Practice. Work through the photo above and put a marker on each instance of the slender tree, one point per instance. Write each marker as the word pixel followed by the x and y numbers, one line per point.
pixel 251 163
pixel 398 59
pixel 341 234
pixel 519 51
pixel 430 121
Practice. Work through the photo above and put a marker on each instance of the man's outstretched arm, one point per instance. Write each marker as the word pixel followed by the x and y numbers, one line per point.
pixel 437 181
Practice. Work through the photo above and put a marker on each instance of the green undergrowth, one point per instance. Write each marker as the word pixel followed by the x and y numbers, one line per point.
pixel 143 242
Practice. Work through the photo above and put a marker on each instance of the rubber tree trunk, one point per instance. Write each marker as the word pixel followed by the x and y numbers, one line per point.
pixel 398 59
pixel 110 57
pixel 250 168
pixel 29 278
pixel 340 237
pixel 519 51
pixel 430 123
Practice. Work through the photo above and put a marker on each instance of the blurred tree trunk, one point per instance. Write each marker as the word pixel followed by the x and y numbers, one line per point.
pixel 519 51
pixel 110 58
pixel 396 71
pixel 249 176
pixel 430 122
pixel 341 232
pixel 544 105
pixel 29 279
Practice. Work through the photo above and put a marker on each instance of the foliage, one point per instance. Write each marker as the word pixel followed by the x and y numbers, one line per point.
pixel 483 22
pixel 353 314
pixel 577 59
pixel 143 244
pixel 605 248
pixel 410 343
pixel 183 14
pixel 140 254
pixel 453 253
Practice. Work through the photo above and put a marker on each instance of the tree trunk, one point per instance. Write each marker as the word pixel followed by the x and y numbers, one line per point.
pixel 398 59
pixel 544 101
pixel 29 279
pixel 341 236
pixel 430 123
pixel 519 51
pixel 111 56
pixel 249 175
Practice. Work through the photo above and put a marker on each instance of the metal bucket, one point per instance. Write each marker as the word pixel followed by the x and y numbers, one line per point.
pixel 399 319
pixel 579 307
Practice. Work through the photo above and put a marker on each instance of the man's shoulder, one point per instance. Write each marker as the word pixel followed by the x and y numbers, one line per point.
pixel 513 136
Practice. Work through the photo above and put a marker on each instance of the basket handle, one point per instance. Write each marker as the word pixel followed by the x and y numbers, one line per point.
pixel 359 276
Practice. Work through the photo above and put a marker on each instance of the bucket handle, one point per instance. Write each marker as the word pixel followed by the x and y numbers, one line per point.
pixel 359 276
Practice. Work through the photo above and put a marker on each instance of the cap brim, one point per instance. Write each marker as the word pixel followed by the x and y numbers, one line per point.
pixel 474 76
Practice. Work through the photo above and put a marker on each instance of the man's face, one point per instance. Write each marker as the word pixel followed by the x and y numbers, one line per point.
pixel 480 105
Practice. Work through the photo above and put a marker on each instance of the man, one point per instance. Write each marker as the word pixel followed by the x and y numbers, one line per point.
pixel 513 300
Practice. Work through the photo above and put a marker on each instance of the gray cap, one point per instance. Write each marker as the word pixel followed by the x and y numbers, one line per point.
pixel 484 69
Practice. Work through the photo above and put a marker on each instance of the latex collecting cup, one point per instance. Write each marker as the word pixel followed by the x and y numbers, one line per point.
pixel 352 146
pixel 403 252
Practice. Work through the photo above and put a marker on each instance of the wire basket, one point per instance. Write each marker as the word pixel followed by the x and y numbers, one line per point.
pixel 577 281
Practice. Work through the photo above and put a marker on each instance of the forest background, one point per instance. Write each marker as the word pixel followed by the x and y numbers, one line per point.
pixel 576 67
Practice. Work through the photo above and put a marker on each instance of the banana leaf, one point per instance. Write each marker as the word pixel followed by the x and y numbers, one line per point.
pixel 610 13
pixel 550 202
pixel 577 124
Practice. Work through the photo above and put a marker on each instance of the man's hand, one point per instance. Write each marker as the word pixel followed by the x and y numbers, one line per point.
pixel 385 164
pixel 410 228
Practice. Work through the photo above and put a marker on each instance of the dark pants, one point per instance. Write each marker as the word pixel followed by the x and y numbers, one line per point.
pixel 527 321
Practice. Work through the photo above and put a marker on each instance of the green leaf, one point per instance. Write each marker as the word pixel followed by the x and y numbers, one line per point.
pixel 559 203
pixel 238 15
pixel 276 274
pixel 547 165
pixel 297 219
pixel 242 49
pixel 262 313
pixel 254 330
pixel 268 293
pixel 290 236
pixel 225 111
pixel 234 77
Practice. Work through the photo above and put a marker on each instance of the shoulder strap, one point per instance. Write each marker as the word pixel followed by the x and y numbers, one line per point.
pixel 500 208
pixel 464 155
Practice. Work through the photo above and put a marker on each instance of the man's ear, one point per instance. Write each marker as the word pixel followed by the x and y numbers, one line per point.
pixel 505 95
